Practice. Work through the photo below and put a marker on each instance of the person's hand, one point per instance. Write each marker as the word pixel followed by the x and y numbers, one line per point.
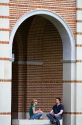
pixel 51 113
pixel 40 110
pixel 56 114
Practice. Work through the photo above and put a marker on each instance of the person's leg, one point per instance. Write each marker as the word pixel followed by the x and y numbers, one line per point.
pixel 57 118
pixel 51 117
pixel 33 116
pixel 36 116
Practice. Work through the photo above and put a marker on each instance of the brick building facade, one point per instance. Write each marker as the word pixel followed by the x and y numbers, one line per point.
pixel 40 57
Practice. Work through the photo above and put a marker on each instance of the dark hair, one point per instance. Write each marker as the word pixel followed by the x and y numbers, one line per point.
pixel 58 98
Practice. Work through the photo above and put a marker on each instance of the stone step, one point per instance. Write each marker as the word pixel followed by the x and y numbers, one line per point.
pixel 31 122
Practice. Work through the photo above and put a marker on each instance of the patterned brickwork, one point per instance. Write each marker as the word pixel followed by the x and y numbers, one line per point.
pixel 65 9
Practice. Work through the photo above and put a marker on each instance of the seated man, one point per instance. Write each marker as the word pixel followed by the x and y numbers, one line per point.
pixel 34 114
pixel 56 113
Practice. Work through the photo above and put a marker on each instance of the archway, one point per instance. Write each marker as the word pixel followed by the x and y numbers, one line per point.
pixel 67 47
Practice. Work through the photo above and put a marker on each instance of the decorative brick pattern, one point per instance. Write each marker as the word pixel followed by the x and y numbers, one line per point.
pixel 65 9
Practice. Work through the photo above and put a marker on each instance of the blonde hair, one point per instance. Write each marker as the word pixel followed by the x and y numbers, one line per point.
pixel 33 101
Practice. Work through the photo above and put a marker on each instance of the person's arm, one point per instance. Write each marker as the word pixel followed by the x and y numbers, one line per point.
pixel 51 112
pixel 36 111
pixel 60 113
pixel 61 110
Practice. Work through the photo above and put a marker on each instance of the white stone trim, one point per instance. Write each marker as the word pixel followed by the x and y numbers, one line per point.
pixel 32 122
pixel 5 97
pixel 69 119
pixel 79 3
pixel 79 71
pixel 30 62
pixel 5 120
pixel 1 70
pixel 79 15
pixel 4 1
pixel 4 50
pixel 79 119
pixel 4 23
pixel 68 98
pixel 79 65
pixel 4 33
pixel 79 53
pixel 79 27
pixel 69 71
pixel 78 97
pixel 5 70
pixel 79 39
pixel 4 10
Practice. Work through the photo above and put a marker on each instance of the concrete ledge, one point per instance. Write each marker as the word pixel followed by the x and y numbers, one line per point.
pixel 31 122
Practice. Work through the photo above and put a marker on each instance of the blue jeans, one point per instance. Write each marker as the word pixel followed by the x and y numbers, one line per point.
pixel 36 116
pixel 53 117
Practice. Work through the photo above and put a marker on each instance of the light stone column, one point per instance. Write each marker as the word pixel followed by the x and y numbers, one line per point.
pixel 78 112
pixel 69 91
pixel 5 65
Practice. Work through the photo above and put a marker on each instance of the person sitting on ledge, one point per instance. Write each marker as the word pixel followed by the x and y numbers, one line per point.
pixel 34 114
pixel 57 112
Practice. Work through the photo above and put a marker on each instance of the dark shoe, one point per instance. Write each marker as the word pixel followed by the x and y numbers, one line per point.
pixel 53 122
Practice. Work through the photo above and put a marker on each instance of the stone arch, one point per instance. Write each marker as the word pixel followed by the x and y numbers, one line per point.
pixel 68 50
pixel 63 28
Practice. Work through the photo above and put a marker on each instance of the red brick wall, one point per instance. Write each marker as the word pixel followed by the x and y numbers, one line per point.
pixel 64 8
pixel 38 40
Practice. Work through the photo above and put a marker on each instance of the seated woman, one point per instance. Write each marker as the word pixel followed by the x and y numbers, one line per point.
pixel 34 114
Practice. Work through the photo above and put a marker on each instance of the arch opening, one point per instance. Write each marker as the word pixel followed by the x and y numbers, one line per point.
pixel 41 41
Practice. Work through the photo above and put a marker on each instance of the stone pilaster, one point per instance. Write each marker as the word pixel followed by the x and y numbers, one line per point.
pixel 5 65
